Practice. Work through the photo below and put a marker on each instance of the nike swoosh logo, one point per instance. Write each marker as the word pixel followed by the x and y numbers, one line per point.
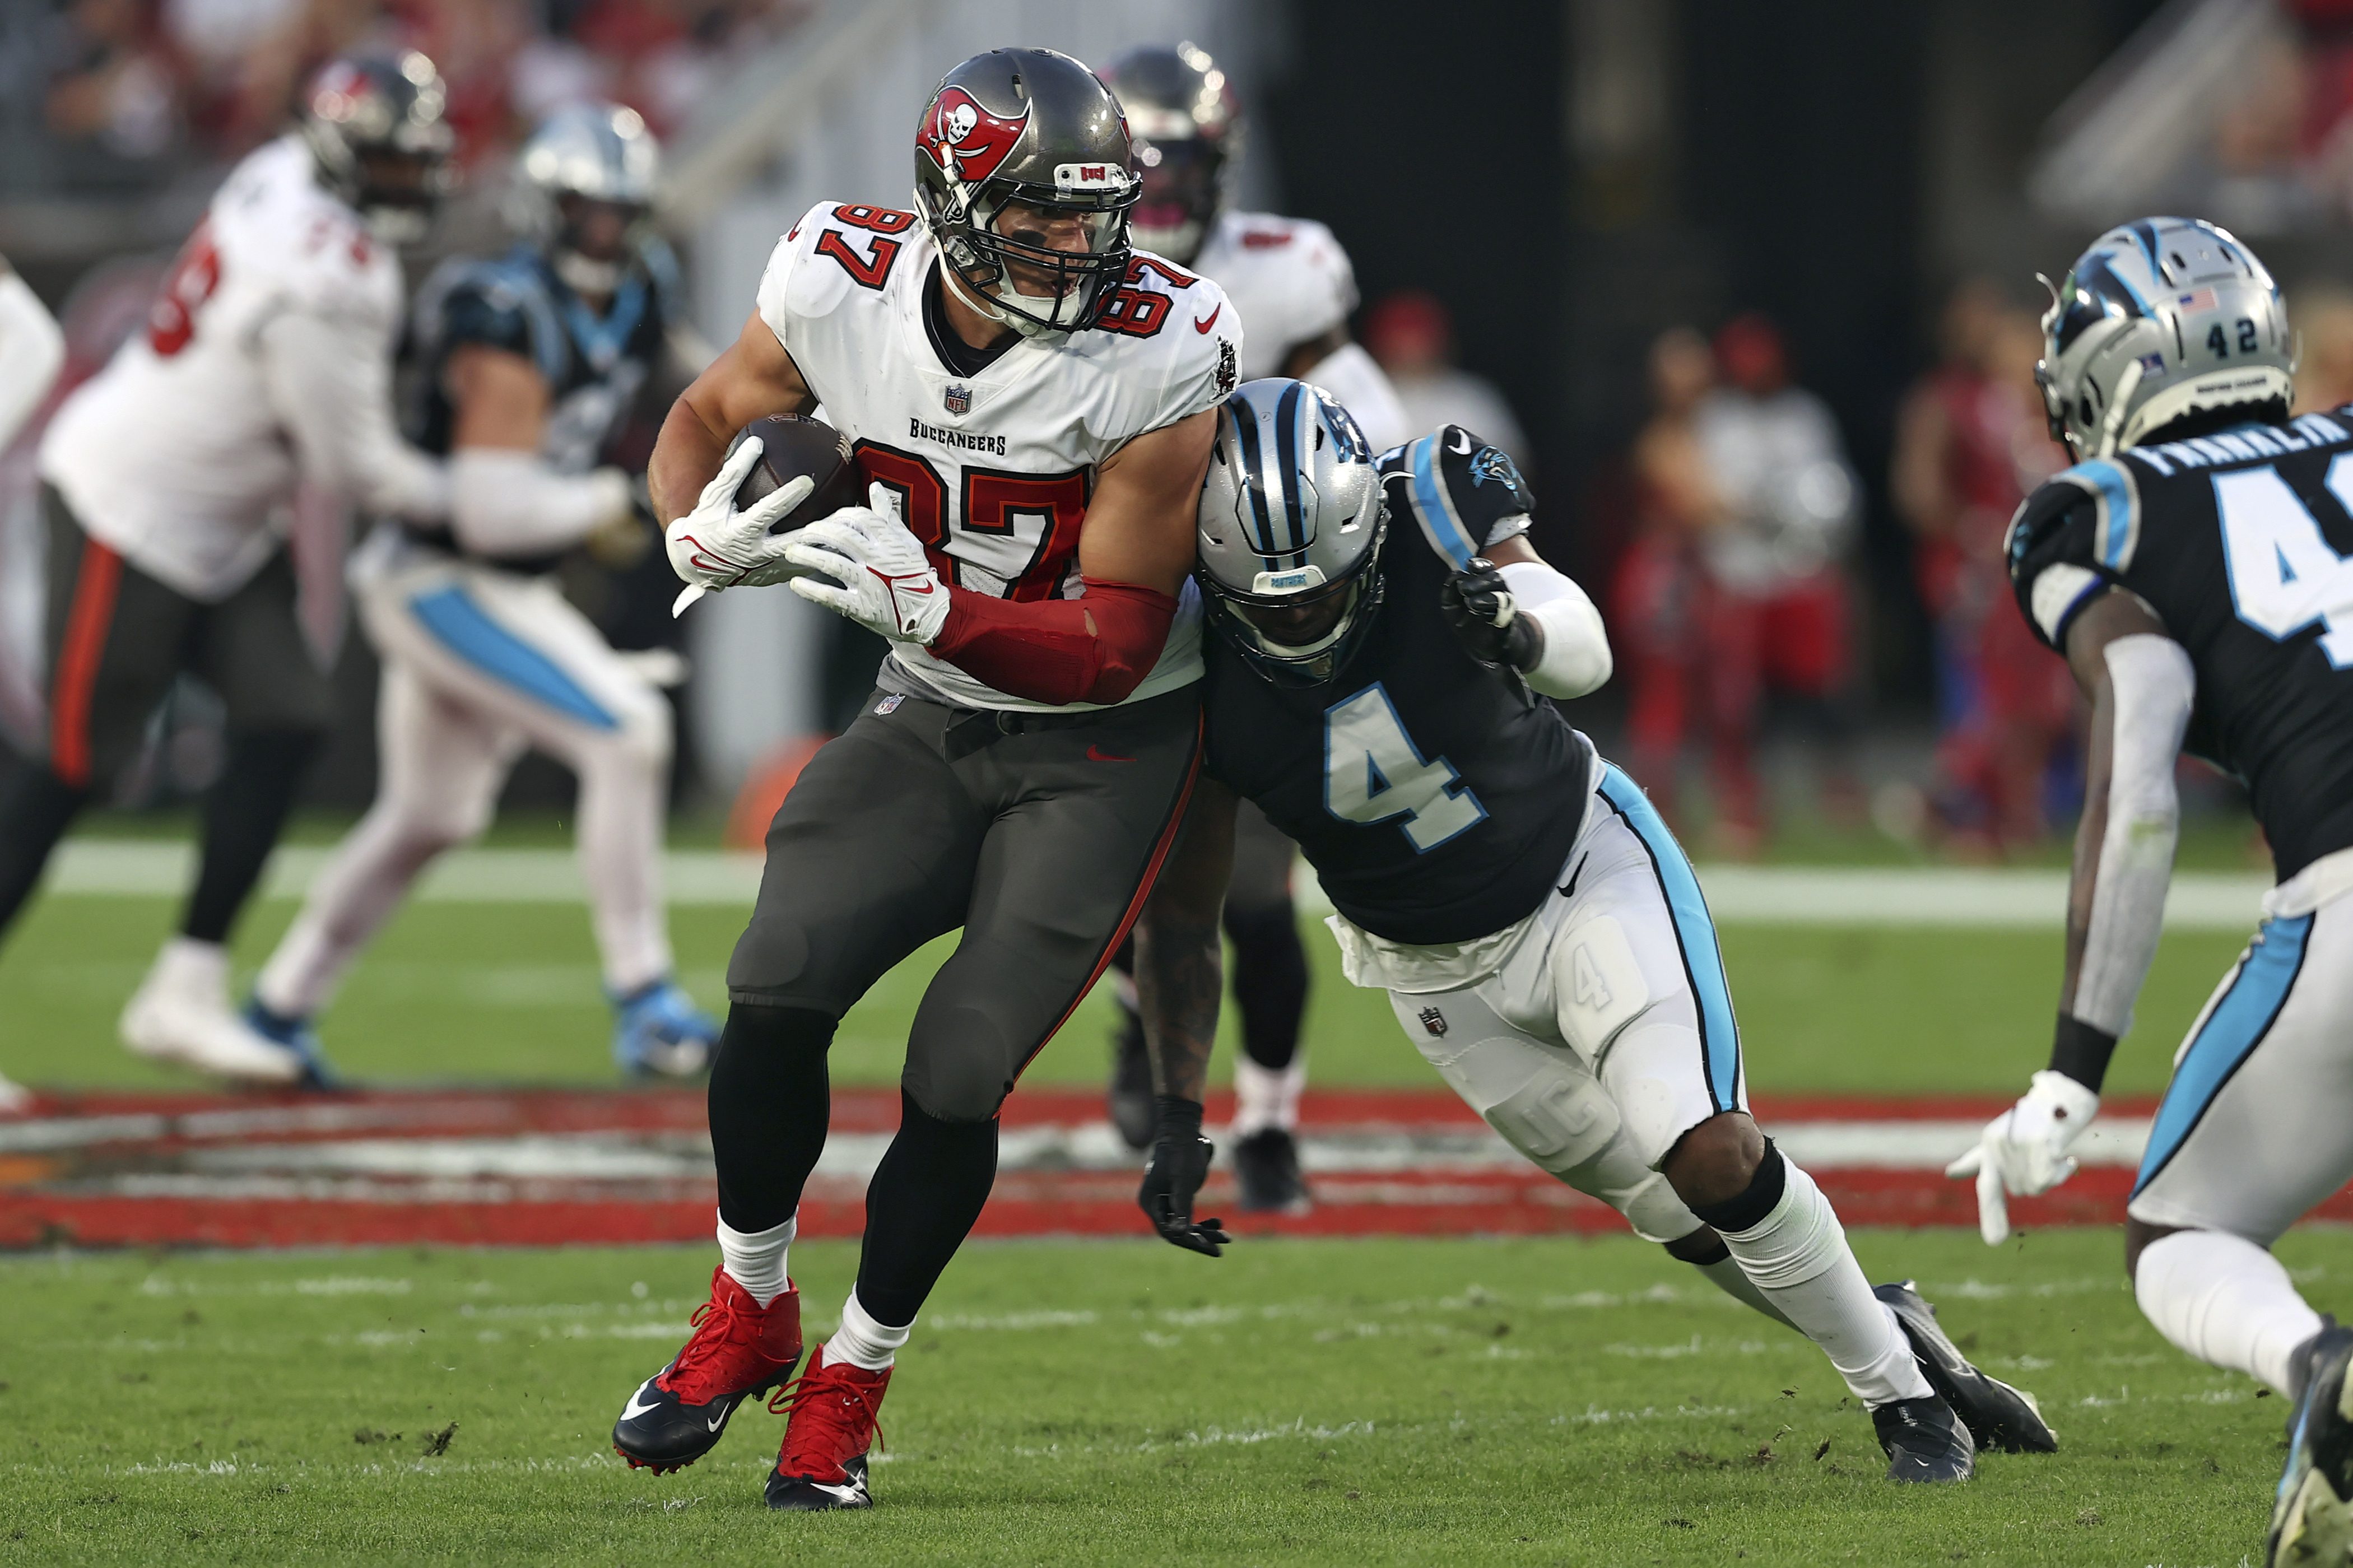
pixel 1203 325
pixel 1096 755
pixel 843 1493
pixel 718 1421
pixel 634 1409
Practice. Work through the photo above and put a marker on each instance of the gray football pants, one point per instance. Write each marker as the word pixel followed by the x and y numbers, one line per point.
pixel 1038 834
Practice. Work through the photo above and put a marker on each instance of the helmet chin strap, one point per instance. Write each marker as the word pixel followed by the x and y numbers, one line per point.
pixel 584 274
pixel 987 305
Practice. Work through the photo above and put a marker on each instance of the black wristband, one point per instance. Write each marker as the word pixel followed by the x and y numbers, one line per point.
pixel 1179 1118
pixel 2080 1051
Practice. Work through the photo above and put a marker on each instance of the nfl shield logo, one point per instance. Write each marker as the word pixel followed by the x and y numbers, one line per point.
pixel 1434 1021
pixel 959 399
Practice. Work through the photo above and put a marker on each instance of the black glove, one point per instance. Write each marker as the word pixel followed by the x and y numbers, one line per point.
pixel 1180 1159
pixel 1478 606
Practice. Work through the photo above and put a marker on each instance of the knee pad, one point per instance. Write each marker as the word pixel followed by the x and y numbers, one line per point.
pixel 1558 1118
pixel 959 1068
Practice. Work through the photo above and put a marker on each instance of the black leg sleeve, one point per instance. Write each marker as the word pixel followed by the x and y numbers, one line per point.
pixel 244 815
pixel 922 1201
pixel 1269 980
pixel 770 1102
pixel 35 808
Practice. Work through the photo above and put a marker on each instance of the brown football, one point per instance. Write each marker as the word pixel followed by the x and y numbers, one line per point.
pixel 792 446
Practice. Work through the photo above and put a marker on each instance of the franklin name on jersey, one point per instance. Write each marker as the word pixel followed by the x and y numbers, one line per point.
pixel 1436 796
pixel 845 291
pixel 2238 542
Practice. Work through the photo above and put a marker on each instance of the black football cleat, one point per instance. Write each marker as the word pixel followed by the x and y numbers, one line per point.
pixel 738 1349
pixel 1266 1169
pixel 822 1465
pixel 2312 1519
pixel 1997 1415
pixel 1925 1441
pixel 1133 1107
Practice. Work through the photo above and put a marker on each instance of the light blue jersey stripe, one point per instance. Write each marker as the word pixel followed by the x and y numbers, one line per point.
pixel 1702 962
pixel 2232 1031
pixel 1447 534
pixel 464 629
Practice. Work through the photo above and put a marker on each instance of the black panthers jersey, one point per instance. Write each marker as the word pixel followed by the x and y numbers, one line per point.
pixel 2238 541
pixel 1436 797
pixel 594 364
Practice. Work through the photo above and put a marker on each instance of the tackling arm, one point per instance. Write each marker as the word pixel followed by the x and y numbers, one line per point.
pixel 1178 980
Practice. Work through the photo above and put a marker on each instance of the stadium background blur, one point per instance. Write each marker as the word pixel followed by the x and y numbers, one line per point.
pixel 1541 198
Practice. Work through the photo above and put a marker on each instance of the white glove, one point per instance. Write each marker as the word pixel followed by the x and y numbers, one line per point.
pixel 714 546
pixel 2024 1150
pixel 863 563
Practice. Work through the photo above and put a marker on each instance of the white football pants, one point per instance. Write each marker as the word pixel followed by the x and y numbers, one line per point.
pixel 1597 1031
pixel 478 665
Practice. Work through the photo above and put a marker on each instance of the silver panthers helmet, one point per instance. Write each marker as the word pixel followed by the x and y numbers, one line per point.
pixel 584 152
pixel 2160 320
pixel 378 128
pixel 1292 516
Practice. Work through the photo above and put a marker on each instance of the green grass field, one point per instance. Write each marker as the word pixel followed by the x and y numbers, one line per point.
pixel 1359 1403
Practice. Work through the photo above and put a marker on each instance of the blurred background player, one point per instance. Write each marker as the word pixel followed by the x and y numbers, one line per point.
pixel 1778 615
pixel 1411 334
pixel 1970 444
pixel 266 359
pixel 1293 286
pixel 2190 571
pixel 1543 941
pixel 31 349
pixel 530 364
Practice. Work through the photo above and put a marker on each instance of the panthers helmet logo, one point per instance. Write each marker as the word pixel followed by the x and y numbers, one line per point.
pixel 964 138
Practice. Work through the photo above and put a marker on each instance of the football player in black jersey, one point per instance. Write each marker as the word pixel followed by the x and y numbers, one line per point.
pixel 1386 641
pixel 2188 569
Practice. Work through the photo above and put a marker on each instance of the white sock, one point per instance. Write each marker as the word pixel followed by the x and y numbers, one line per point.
pixel 863 1342
pixel 2226 1302
pixel 1797 1259
pixel 361 886
pixel 618 843
pixel 756 1260
pixel 1726 1273
pixel 1265 1098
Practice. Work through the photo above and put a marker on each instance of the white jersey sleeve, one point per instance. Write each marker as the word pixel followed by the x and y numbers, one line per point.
pixel 31 350
pixel 1288 278
pixel 1189 350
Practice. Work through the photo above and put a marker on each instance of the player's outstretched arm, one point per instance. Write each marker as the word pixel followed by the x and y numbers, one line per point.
pixel 1510 606
pixel 503 501
pixel 32 349
pixel 2141 687
pixel 1178 981
pixel 329 381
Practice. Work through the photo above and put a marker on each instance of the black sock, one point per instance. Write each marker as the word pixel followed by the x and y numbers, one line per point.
pixel 922 1201
pixel 35 808
pixel 245 811
pixel 1269 981
pixel 770 1102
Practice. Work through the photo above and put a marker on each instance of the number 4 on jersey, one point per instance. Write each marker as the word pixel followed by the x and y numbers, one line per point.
pixel 1373 773
pixel 2284 574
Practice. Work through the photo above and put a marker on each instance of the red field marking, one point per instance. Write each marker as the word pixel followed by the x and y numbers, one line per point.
pixel 124 1170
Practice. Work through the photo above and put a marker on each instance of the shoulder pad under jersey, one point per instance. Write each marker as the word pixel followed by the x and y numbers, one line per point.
pixel 1466 493
pixel 2077 532
pixel 502 304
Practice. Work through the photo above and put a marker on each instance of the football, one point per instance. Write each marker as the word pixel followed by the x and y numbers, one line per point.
pixel 792 446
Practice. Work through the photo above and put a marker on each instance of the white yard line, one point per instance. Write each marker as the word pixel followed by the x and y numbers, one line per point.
pixel 1758 895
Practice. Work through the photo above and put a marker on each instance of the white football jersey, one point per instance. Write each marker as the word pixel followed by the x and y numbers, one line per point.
pixel 1292 283
pixel 992 472
pixel 173 454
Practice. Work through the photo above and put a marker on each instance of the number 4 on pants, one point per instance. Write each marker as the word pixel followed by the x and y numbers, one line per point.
pixel 1373 771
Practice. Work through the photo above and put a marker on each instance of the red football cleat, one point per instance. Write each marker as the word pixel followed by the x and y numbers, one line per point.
pixel 738 1349
pixel 823 1463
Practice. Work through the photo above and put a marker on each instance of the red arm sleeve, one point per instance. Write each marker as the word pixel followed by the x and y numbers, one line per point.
pixel 1097 648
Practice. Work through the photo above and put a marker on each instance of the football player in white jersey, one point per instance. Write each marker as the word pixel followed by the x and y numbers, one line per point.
pixel 31 350
pixel 530 363
pixel 266 359
pixel 1033 402
pixel 1293 284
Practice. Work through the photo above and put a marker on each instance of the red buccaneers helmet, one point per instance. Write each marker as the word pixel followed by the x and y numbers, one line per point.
pixel 1031 126
pixel 1188 131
